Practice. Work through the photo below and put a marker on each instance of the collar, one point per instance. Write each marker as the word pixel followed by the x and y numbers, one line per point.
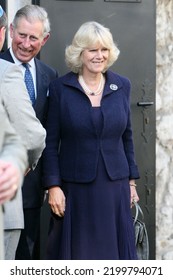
pixel 113 81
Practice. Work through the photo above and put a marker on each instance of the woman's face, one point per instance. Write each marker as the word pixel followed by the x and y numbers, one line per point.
pixel 95 59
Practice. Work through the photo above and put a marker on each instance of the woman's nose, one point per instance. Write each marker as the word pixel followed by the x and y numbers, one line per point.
pixel 99 54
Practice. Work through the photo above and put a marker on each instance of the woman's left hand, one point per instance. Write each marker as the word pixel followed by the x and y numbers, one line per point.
pixel 134 195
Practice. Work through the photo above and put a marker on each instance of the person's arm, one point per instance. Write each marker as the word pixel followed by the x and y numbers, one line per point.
pixel 13 159
pixel 127 136
pixel 129 149
pixel 51 172
pixel 9 180
pixel 21 114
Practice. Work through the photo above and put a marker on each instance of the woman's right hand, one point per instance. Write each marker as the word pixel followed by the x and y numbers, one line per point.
pixel 57 200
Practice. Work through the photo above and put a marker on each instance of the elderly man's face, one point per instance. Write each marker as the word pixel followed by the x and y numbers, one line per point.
pixel 27 39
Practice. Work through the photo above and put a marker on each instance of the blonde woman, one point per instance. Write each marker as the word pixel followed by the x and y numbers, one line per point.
pixel 89 165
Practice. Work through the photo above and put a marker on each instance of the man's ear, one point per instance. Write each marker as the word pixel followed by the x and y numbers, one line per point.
pixel 45 39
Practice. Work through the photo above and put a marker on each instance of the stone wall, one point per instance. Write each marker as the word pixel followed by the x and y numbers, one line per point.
pixel 164 127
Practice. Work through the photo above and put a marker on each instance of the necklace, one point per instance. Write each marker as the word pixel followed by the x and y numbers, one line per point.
pixel 87 90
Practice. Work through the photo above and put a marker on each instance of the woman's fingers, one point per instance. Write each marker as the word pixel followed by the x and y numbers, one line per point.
pixel 57 201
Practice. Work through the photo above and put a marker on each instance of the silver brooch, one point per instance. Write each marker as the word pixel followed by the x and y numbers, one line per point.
pixel 113 87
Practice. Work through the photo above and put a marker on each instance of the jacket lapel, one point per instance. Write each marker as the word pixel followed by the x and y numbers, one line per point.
pixel 113 83
pixel 41 81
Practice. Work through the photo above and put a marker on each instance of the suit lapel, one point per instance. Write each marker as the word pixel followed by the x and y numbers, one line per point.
pixel 42 82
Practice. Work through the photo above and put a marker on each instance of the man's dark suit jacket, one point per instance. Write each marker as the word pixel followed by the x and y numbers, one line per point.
pixel 32 187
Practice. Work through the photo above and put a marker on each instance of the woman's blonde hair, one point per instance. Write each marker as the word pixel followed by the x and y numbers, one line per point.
pixel 88 35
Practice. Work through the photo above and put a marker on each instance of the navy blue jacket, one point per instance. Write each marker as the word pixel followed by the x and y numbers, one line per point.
pixel 73 146
pixel 32 187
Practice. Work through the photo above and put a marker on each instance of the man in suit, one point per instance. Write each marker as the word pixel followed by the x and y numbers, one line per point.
pixel 13 164
pixel 17 104
pixel 29 31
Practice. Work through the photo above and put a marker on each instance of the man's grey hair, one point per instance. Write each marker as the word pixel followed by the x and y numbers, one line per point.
pixel 33 13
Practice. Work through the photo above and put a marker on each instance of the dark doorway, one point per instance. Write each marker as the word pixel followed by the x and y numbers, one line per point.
pixel 133 24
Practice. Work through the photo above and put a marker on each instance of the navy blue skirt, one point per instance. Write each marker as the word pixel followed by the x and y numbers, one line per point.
pixel 97 224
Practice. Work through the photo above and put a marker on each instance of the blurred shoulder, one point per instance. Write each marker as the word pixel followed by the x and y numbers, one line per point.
pixel 9 69
pixel 4 64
